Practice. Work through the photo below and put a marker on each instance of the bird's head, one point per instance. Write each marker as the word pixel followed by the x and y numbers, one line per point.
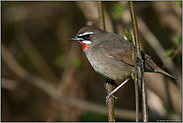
pixel 88 37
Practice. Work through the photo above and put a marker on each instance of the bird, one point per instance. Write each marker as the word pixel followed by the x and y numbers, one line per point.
pixel 110 55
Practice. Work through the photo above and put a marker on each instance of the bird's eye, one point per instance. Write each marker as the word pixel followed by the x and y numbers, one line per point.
pixel 87 36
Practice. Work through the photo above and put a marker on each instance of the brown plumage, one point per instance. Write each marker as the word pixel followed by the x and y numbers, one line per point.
pixel 110 55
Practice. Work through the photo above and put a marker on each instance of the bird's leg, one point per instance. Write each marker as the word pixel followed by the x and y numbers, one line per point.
pixel 111 94
pixel 109 81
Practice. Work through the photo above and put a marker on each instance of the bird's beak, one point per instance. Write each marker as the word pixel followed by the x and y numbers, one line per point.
pixel 75 39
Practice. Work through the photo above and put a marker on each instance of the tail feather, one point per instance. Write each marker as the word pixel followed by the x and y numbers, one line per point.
pixel 151 66
pixel 159 70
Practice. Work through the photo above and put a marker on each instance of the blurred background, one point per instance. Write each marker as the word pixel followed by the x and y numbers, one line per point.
pixel 45 77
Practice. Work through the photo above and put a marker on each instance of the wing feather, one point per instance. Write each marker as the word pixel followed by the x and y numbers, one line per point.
pixel 121 51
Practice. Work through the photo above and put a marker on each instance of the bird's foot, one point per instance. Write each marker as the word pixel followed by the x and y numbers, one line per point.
pixel 110 95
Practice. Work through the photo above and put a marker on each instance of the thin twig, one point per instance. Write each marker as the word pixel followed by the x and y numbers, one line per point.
pixel 140 70
pixel 109 87
pixel 101 16
pixel 136 85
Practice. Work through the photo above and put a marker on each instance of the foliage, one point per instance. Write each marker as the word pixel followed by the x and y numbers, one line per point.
pixel 117 11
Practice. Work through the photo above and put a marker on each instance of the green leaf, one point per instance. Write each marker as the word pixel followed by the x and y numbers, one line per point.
pixel 133 76
pixel 177 39
pixel 126 39
pixel 117 11
pixel 76 62
pixel 169 110
pixel 60 61
pixel 132 56
pixel 128 36
pixel 169 52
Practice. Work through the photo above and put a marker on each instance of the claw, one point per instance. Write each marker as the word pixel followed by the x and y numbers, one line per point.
pixel 110 95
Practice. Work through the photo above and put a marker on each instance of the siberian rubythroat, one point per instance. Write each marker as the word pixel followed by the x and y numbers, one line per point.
pixel 110 55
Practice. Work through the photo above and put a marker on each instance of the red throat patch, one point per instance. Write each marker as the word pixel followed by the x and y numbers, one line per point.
pixel 84 46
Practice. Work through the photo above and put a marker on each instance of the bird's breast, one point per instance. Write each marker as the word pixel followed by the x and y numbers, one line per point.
pixel 108 67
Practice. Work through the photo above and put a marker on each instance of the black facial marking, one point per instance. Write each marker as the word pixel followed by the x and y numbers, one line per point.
pixel 85 37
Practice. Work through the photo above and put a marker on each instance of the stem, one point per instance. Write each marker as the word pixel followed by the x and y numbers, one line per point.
pixel 101 16
pixel 139 66
pixel 110 103
pixel 109 87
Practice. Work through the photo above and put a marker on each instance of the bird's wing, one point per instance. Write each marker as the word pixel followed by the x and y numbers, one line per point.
pixel 122 51
pixel 119 50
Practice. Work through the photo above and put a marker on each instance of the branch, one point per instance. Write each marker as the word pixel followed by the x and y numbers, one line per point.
pixel 101 16
pixel 109 87
pixel 140 70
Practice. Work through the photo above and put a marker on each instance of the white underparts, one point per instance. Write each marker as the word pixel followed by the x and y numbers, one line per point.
pixel 86 42
pixel 85 33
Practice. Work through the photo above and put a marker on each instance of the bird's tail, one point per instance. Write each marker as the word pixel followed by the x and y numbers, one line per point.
pixel 159 70
pixel 150 65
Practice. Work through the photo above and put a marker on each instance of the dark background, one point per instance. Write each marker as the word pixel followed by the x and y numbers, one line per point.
pixel 36 35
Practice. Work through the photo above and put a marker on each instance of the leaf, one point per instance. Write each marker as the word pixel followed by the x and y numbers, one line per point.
pixel 128 36
pixel 117 11
pixel 133 76
pixel 169 52
pixel 76 62
pixel 60 61
pixel 177 39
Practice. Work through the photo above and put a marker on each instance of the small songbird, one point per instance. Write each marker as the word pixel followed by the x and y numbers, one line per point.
pixel 110 55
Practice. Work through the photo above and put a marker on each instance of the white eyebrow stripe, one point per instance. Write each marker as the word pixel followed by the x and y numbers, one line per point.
pixel 86 42
pixel 85 33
